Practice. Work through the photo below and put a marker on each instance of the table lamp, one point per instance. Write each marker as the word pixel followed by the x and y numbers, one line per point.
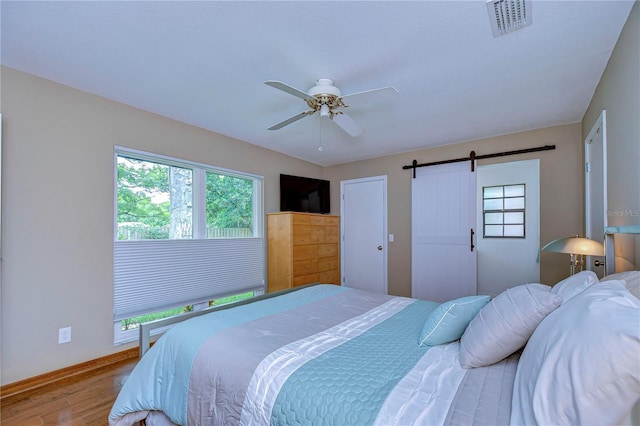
pixel 576 246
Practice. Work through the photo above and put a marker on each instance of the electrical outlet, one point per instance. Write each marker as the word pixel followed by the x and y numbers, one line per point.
pixel 64 335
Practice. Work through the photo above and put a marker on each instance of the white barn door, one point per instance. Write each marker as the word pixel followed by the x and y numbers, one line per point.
pixel 507 262
pixel 443 256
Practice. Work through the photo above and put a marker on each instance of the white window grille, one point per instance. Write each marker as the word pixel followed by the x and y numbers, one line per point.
pixel 504 211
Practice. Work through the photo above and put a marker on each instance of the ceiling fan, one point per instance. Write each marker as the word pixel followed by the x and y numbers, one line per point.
pixel 328 100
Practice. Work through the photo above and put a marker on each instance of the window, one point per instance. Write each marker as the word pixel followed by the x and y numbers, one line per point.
pixel 155 201
pixel 186 234
pixel 503 211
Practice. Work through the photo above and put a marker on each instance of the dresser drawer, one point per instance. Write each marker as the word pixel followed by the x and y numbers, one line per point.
pixel 305 267
pixel 327 250
pixel 305 279
pixel 305 251
pixel 302 230
pixel 332 234
pixel 317 234
pixel 329 277
pixel 317 220
pixel 317 239
pixel 302 234
pixel 332 221
pixel 328 263
pixel 301 219
pixel 317 230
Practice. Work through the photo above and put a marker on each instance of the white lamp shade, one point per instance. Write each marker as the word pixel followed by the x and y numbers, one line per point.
pixel 576 245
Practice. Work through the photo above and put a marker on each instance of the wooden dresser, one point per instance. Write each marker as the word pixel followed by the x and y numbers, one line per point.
pixel 303 248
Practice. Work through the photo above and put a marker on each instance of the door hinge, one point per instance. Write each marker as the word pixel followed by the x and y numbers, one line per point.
pixel 587 167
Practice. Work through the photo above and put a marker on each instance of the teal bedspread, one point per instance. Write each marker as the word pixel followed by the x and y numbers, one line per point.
pixel 324 354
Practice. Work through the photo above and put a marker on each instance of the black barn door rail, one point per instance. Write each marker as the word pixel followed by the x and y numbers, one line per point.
pixel 472 157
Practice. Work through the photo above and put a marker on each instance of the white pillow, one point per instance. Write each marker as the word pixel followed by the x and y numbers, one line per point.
pixel 631 281
pixel 505 324
pixel 575 284
pixel 581 364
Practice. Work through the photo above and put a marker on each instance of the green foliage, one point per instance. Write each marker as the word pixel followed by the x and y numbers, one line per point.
pixel 136 183
pixel 229 201
pixel 231 299
pixel 130 323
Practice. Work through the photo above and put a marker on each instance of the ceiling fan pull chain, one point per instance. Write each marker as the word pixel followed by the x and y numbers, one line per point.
pixel 320 146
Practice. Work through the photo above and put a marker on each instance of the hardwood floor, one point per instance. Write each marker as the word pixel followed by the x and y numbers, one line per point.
pixel 82 400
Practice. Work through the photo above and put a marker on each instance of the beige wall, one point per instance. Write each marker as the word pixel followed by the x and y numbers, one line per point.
pixel 58 206
pixel 619 94
pixel 561 194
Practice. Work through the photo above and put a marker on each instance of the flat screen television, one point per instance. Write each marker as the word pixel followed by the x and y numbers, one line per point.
pixel 302 194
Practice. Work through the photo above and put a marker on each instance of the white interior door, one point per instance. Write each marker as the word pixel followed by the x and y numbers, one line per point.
pixel 595 152
pixel 364 229
pixel 443 216
pixel 507 262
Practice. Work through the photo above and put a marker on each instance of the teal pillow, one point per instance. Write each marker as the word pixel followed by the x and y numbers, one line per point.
pixel 449 320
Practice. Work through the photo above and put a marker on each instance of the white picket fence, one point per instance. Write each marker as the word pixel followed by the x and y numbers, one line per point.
pixel 141 232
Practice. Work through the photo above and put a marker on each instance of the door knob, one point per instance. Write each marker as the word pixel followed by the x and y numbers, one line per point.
pixel 598 263
pixel 379 247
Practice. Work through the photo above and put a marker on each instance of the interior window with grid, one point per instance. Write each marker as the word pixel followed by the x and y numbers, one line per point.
pixel 503 211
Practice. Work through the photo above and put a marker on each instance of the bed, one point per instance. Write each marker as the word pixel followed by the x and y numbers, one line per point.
pixel 325 354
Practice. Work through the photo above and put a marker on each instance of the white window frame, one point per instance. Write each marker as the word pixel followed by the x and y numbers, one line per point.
pixel 255 243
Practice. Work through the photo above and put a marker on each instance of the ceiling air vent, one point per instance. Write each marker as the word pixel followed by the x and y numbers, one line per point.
pixel 508 15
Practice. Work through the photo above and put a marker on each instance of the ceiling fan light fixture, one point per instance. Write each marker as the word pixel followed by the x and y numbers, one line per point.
pixel 324 86
pixel 325 111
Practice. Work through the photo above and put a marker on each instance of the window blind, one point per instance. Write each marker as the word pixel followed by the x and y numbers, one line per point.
pixel 153 275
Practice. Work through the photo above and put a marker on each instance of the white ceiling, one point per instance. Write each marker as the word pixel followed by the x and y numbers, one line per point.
pixel 204 63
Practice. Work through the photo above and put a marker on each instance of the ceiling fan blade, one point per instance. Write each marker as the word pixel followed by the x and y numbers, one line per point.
pixel 382 90
pixel 290 120
pixel 347 124
pixel 291 90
